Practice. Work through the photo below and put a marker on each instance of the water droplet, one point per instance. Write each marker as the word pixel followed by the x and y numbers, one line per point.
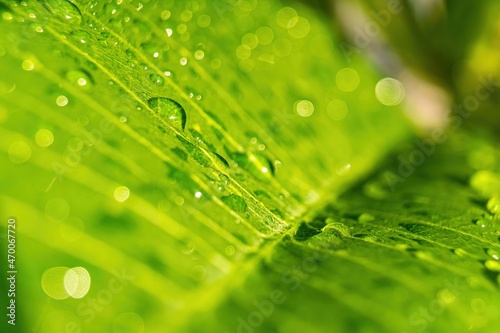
pixel 347 79
pixel 28 65
pixel 7 16
pixel 19 152
pixel 44 137
pixel 169 109
pixel 179 201
pixel 169 32
pixel 80 78
pixel 156 79
pixel 199 54
pixel 64 10
pixel 81 36
pixel 183 61
pixel 235 202
pixel 390 91
pixel 492 265
pixel 197 194
pixel 493 205
pixel 224 178
pixel 304 108
pixel 482 222
pixel 495 254
pixel 121 193
pixel 165 15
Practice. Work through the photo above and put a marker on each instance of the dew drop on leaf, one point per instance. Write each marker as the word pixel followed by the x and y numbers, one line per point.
pixel 81 36
pixel 494 254
pixel 64 10
pixel 169 109
pixel 156 79
pixel 257 164
pixel 79 78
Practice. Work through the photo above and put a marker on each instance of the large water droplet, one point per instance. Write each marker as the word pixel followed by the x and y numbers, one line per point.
pixel 64 10
pixel 169 109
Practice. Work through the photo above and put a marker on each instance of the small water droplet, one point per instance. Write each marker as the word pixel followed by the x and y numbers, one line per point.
pixel 483 223
pixel 494 254
pixel 169 109
pixel 62 100
pixel 255 163
pixel 121 193
pixel 197 195
pixel 28 65
pixel 304 108
pixel 81 36
pixel 80 78
pixel 44 137
pixel 156 79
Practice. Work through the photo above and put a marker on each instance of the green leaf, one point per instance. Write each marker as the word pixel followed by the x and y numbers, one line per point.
pixel 189 158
